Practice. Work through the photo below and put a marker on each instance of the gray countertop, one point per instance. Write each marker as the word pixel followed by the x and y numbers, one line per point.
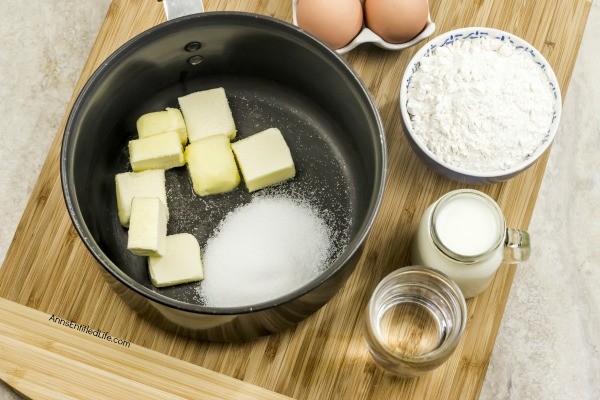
pixel 548 346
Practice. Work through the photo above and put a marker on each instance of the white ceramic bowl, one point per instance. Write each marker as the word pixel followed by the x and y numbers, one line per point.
pixel 460 174
pixel 368 36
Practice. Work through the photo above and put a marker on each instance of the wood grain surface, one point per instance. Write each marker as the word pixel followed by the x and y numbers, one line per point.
pixel 44 359
pixel 49 269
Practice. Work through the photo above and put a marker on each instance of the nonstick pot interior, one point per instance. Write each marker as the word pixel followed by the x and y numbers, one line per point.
pixel 274 75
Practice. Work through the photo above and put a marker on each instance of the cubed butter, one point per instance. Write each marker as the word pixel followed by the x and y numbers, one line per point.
pixel 162 151
pixel 159 122
pixel 207 113
pixel 212 165
pixel 180 264
pixel 264 159
pixel 138 184
pixel 148 227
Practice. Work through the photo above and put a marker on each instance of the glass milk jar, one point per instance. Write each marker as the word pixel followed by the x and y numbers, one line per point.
pixel 464 235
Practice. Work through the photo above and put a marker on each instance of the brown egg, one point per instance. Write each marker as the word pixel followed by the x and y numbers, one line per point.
pixel 336 22
pixel 396 21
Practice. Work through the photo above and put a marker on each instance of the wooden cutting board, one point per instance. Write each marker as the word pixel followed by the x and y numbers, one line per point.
pixel 46 357
pixel 48 268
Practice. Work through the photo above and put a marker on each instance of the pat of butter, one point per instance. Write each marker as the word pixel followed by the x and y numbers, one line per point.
pixel 264 159
pixel 159 122
pixel 162 151
pixel 180 264
pixel 212 166
pixel 207 113
pixel 148 227
pixel 138 184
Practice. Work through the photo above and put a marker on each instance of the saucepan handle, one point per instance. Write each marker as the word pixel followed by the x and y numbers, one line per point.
pixel 181 8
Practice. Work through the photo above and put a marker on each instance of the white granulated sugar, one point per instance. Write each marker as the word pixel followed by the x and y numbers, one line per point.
pixel 480 104
pixel 263 250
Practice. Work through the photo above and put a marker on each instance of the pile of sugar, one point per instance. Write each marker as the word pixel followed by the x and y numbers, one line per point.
pixel 480 104
pixel 263 250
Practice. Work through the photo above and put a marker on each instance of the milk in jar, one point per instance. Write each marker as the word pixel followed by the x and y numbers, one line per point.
pixel 464 235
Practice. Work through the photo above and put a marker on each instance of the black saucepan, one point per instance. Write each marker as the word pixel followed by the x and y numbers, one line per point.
pixel 274 75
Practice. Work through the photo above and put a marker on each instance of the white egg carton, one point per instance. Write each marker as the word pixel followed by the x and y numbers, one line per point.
pixel 368 36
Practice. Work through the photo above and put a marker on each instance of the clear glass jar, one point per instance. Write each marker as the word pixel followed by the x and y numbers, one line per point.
pixel 464 235
pixel 414 321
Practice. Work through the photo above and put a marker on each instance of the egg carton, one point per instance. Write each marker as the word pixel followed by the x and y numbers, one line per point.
pixel 368 36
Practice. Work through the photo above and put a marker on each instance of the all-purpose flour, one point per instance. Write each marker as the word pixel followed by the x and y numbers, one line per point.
pixel 480 104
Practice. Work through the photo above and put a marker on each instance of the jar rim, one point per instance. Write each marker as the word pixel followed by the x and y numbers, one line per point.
pixel 462 258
